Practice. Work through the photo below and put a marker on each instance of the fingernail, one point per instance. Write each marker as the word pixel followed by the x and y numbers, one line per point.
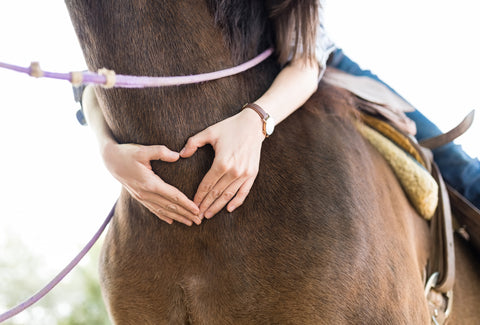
pixel 182 151
pixel 208 215
pixel 231 208
pixel 198 221
pixel 201 216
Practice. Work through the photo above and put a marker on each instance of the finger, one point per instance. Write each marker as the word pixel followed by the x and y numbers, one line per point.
pixel 159 152
pixel 241 195
pixel 177 203
pixel 209 181
pixel 173 195
pixel 223 199
pixel 195 142
pixel 220 189
pixel 171 215
pixel 162 203
pixel 164 214
pixel 153 210
pixel 149 205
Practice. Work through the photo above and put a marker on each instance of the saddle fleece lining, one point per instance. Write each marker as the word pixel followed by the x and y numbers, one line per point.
pixel 419 186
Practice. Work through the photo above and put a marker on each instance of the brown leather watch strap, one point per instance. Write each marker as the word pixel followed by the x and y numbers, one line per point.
pixel 260 111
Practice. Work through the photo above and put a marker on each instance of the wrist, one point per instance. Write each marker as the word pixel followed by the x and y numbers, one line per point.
pixel 268 123
pixel 107 147
pixel 251 122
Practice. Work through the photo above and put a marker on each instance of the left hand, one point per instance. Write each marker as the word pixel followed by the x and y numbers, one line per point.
pixel 237 142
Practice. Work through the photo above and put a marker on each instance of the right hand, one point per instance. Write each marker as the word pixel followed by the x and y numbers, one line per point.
pixel 130 165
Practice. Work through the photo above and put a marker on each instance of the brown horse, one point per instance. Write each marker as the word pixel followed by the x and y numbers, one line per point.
pixel 326 235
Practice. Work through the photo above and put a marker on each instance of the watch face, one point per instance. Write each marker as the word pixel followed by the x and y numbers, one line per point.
pixel 269 125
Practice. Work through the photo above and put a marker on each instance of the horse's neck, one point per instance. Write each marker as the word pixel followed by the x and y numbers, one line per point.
pixel 172 38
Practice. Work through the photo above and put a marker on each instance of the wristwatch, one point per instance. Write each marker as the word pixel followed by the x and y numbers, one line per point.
pixel 268 121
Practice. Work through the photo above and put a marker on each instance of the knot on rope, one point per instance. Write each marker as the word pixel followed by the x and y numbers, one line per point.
pixel 109 77
pixel 35 70
pixel 76 78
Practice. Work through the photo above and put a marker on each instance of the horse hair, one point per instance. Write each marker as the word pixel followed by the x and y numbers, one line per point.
pixel 244 24
pixel 247 29
pixel 326 235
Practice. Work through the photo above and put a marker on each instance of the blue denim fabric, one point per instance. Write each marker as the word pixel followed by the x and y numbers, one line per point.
pixel 458 169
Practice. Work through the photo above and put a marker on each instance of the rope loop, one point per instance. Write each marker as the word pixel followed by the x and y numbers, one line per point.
pixel 35 70
pixel 110 77
pixel 76 78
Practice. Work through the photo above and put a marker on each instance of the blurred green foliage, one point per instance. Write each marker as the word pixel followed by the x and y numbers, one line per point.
pixel 77 300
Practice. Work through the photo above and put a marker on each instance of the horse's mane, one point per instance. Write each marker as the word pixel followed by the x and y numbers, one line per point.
pixel 249 26
pixel 245 26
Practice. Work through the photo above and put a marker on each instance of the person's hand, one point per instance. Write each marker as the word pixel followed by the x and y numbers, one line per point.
pixel 130 165
pixel 237 142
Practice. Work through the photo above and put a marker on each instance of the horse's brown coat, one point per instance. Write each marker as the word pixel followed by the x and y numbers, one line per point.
pixel 326 235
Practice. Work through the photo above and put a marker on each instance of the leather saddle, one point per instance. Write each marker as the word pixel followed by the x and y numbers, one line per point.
pixel 388 106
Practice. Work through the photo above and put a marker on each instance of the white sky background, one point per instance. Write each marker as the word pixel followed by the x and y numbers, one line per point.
pixel 54 189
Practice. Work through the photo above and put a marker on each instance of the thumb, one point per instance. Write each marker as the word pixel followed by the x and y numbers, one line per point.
pixel 195 142
pixel 160 152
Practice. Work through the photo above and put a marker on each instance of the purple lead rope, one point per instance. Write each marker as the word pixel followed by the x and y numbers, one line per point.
pixel 40 294
pixel 109 79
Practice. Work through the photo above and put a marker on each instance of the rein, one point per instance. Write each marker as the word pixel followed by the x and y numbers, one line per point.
pixel 108 78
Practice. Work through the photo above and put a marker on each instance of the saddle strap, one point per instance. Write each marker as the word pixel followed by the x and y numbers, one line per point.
pixel 441 266
pixel 467 216
pixel 443 253
pixel 451 135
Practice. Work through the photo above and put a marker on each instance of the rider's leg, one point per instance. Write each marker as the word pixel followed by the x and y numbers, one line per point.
pixel 458 169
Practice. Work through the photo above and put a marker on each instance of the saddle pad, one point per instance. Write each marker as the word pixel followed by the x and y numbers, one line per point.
pixel 378 99
pixel 417 183
pixel 395 136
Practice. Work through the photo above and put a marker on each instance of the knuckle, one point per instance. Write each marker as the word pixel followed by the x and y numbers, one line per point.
pixel 172 207
pixel 237 172
pixel 162 149
pixel 215 193
pixel 222 167
pixel 225 164
pixel 139 152
pixel 140 196
pixel 227 195
pixel 205 187
pixel 191 142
